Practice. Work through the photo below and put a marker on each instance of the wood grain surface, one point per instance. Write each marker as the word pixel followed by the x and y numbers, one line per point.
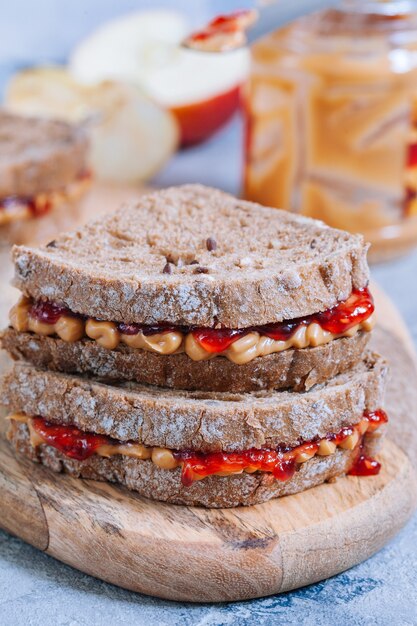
pixel 199 555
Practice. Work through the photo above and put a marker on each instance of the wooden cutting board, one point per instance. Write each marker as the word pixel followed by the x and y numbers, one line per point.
pixel 198 555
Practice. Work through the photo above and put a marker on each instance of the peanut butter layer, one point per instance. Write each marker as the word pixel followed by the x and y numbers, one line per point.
pixel 107 335
pixel 294 369
pixel 165 458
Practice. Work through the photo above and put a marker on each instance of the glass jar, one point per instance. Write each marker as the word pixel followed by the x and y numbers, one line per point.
pixel 331 112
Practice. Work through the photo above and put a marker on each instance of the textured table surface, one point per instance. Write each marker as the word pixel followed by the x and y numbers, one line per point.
pixel 35 589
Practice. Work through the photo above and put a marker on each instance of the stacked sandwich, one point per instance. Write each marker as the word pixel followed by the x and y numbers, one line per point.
pixel 197 349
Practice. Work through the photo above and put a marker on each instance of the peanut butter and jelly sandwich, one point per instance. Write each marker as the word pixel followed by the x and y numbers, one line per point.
pixel 191 288
pixel 198 349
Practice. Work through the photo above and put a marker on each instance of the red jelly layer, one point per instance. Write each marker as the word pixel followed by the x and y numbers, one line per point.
pixel 35 206
pixel 337 320
pixel 196 466
pixel 47 312
pixel 215 341
pixel 281 461
pixel 412 155
pixel 70 440
pixel 39 205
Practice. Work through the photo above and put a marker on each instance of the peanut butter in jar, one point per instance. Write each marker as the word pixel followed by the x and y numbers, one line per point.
pixel 331 121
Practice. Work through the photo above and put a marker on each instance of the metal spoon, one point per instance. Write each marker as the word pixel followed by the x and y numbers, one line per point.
pixel 270 17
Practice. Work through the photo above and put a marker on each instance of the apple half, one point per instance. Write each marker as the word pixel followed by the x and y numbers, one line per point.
pixel 201 89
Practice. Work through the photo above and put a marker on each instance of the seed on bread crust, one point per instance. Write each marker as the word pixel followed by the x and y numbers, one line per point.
pixel 201 270
pixel 211 244
pixel 167 269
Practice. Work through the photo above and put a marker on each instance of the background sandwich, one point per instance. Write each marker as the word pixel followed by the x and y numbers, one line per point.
pixel 43 169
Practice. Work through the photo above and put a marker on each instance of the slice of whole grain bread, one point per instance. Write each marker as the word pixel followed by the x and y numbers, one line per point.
pixel 39 155
pixel 297 369
pixel 213 492
pixel 196 256
pixel 205 421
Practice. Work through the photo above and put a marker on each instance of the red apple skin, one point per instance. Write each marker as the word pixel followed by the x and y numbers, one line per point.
pixel 199 120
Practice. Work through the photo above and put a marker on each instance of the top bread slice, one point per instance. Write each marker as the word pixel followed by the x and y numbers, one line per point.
pixel 192 255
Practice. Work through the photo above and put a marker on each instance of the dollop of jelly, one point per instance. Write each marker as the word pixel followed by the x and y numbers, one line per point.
pixel 47 312
pixel 337 320
pixel 69 440
pixel 365 466
pixel 356 309
pixel 375 419
pixel 217 340
pixel 412 155
pixel 281 462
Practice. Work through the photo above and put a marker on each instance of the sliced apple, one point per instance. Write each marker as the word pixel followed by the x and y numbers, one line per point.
pixel 200 120
pixel 143 48
pixel 131 136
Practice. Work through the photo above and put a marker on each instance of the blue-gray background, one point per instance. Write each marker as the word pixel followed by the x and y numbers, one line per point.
pixel 35 589
pixel 46 30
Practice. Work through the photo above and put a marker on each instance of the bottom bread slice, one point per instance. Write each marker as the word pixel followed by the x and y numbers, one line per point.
pixel 151 481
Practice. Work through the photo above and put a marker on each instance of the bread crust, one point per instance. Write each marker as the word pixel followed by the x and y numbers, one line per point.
pixel 268 265
pixel 39 155
pixel 212 492
pixel 205 421
pixel 297 369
